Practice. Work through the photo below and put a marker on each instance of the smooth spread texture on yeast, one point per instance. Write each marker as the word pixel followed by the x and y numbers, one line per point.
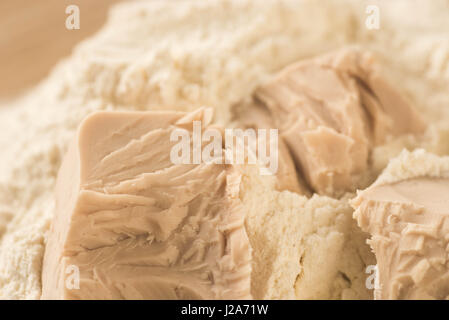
pixel 138 226
pixel 409 224
pixel 331 111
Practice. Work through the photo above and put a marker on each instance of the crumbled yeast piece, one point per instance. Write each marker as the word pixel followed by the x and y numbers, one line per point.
pixel 331 110
pixel 406 211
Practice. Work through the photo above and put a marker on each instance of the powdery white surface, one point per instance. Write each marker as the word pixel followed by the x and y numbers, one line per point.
pixel 186 54
pixel 409 165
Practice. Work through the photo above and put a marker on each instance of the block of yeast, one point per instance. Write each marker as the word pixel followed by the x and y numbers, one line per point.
pixel 406 211
pixel 331 110
pixel 133 225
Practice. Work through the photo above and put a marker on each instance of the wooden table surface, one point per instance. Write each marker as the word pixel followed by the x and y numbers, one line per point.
pixel 33 37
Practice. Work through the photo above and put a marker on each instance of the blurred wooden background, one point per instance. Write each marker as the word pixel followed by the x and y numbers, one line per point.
pixel 33 37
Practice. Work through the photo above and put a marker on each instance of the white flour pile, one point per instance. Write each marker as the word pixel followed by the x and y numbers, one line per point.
pixel 186 54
